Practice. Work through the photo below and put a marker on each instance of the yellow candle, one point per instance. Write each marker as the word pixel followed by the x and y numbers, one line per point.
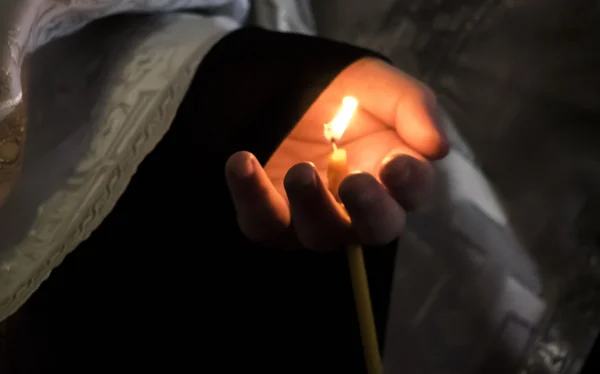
pixel 337 170
pixel 337 167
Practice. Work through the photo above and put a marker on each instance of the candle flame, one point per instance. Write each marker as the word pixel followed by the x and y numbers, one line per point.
pixel 335 129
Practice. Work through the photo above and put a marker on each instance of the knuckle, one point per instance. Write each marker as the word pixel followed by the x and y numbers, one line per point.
pixel 360 190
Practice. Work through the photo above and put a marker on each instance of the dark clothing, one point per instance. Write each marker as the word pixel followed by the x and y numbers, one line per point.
pixel 167 283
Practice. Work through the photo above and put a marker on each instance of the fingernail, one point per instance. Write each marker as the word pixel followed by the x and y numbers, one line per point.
pixel 398 169
pixel 363 182
pixel 405 166
pixel 437 115
pixel 408 180
pixel 247 167
pixel 301 177
pixel 242 165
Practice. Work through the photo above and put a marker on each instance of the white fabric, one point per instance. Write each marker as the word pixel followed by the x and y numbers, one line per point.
pixel 96 114
pixel 30 24
pixel 285 15
pixel 58 18
pixel 94 117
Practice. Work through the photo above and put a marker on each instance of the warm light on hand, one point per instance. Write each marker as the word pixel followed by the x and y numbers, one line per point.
pixel 384 124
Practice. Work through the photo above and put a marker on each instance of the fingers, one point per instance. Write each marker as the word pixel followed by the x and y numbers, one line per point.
pixel 375 211
pixel 319 221
pixel 408 180
pixel 378 210
pixel 397 100
pixel 262 213
pixel 376 216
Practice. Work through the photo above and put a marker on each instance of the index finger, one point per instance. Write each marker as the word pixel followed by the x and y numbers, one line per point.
pixel 397 100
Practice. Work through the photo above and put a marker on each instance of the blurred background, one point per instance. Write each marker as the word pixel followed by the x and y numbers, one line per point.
pixel 521 81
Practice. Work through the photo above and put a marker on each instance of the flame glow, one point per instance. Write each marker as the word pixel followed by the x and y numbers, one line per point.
pixel 335 129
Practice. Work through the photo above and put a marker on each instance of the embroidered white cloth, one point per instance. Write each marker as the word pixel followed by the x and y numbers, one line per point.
pixel 95 115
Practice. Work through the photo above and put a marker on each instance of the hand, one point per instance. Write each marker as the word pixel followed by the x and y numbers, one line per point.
pixel 389 140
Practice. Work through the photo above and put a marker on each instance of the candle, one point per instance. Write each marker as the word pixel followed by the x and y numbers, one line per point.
pixel 337 170
pixel 337 165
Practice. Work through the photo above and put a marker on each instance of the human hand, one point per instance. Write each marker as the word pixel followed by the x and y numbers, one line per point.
pixel 389 141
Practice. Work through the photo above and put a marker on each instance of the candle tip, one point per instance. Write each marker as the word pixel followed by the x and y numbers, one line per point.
pixel 333 145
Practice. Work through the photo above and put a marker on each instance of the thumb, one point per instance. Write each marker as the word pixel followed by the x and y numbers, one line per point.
pixel 262 213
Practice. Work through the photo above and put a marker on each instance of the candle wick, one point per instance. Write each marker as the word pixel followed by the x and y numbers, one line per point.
pixel 333 145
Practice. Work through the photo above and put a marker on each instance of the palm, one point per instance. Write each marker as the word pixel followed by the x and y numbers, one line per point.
pixel 374 131
pixel 366 148
pixel 367 141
